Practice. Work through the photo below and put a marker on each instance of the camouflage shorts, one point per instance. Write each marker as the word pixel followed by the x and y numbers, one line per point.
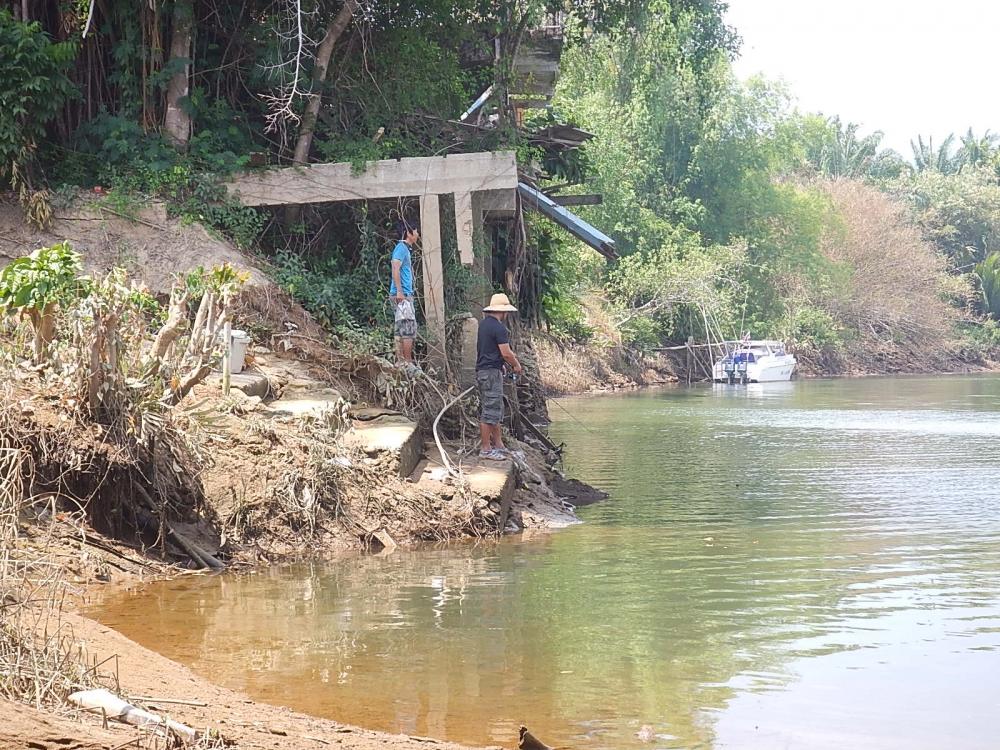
pixel 490 384
pixel 405 318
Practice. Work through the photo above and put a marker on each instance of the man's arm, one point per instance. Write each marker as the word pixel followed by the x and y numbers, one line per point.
pixel 396 265
pixel 510 358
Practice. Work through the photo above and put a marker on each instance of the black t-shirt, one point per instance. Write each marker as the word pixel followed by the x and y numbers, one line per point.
pixel 492 333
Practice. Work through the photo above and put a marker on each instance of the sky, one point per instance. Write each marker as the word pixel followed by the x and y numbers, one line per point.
pixel 905 67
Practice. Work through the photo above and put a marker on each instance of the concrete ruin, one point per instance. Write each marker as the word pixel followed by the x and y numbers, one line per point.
pixel 480 183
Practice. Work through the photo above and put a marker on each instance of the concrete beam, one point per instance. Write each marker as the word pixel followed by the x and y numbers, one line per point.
pixel 390 178
pixel 538 201
pixel 433 272
pixel 501 202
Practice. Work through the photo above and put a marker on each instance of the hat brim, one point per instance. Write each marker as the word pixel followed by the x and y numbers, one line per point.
pixel 500 308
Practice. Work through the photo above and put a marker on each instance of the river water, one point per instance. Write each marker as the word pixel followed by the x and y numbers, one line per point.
pixel 804 565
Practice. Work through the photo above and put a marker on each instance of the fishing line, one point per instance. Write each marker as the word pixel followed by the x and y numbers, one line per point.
pixel 556 402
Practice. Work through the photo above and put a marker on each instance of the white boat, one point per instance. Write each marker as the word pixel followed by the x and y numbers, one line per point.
pixel 754 362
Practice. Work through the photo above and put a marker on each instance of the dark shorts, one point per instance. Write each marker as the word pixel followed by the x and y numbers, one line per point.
pixel 490 384
pixel 405 325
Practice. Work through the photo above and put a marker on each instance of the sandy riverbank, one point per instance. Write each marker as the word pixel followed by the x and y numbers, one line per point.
pixel 230 715
pixel 76 546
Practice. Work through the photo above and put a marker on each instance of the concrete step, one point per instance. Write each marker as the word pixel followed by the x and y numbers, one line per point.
pixel 493 481
pixel 393 434
pixel 301 402
pixel 251 382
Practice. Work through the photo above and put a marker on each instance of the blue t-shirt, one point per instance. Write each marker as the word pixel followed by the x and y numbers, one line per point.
pixel 402 254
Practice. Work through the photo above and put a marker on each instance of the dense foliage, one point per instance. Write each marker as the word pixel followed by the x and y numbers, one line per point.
pixel 728 204
pixel 737 213
pixel 33 87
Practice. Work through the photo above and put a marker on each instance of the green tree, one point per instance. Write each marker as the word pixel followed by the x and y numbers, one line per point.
pixel 647 89
pixel 942 159
pixel 33 87
pixel 959 212
pixel 977 151
pixel 988 272
pixel 846 153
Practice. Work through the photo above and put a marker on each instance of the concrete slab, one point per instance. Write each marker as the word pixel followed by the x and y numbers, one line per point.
pixel 494 482
pixel 251 383
pixel 395 435
pixel 490 480
pixel 295 403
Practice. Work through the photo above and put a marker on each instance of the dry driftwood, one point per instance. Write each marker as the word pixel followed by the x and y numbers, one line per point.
pixel 172 329
pixel 178 701
pixel 195 552
pixel 115 708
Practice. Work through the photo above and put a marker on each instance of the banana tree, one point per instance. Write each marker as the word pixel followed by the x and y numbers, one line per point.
pixel 33 286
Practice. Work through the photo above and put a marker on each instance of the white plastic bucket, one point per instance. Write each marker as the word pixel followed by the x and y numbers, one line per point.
pixel 239 342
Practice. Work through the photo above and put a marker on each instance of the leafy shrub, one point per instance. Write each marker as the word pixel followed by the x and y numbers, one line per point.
pixel 223 280
pixel 980 339
pixel 817 329
pixel 566 317
pixel 350 303
pixel 43 278
pixel 988 272
pixel 116 152
pixel 672 292
pixel 642 332
pixel 36 284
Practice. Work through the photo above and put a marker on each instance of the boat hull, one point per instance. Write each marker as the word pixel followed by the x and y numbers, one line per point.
pixel 771 370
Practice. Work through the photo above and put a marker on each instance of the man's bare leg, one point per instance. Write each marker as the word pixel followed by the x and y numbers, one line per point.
pixel 496 436
pixel 485 437
pixel 404 350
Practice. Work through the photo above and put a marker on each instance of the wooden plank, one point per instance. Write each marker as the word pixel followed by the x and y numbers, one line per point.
pixel 587 199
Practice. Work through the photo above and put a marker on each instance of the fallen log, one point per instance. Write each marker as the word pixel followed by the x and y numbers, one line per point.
pixel 196 553
pixel 115 708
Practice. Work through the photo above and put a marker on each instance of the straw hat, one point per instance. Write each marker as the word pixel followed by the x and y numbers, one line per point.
pixel 499 303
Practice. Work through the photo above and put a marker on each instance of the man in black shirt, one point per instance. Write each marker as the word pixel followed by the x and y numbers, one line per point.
pixel 492 351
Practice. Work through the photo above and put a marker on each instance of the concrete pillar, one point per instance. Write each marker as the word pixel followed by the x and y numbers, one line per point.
pixel 480 265
pixel 464 227
pixel 433 272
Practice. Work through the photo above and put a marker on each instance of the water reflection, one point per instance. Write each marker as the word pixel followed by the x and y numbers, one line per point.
pixel 813 565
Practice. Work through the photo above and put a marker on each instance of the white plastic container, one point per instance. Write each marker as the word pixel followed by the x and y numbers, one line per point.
pixel 239 342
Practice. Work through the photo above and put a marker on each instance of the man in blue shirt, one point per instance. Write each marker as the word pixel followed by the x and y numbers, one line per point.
pixel 401 290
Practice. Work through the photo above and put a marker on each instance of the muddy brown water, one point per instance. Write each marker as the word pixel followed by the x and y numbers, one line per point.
pixel 805 565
